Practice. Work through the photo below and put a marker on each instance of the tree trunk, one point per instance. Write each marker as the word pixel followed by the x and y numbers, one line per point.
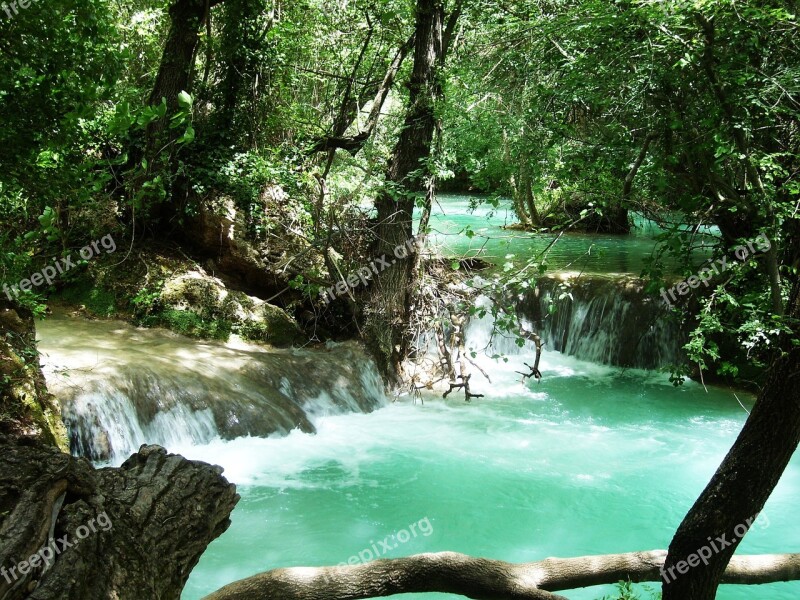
pixel 127 533
pixel 526 185
pixel 742 483
pixel 387 312
pixel 516 188
pixel 174 76
pixel 26 407
pixel 177 60
pixel 481 578
pixel 627 184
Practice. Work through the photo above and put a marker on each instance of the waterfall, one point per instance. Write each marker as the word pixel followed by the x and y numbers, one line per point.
pixel 120 387
pixel 605 320
pixel 608 320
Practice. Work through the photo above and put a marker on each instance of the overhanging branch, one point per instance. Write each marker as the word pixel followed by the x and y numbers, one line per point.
pixel 484 579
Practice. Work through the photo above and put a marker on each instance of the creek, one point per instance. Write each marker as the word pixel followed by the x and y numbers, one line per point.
pixel 603 455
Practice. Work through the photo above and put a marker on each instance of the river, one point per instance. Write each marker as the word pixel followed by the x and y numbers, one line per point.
pixel 596 458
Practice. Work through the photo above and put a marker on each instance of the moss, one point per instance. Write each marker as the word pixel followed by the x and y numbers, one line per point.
pixel 276 329
pixel 177 294
pixel 26 408
pixel 188 323
pixel 96 300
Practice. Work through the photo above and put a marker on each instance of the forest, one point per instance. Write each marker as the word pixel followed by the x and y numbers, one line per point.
pixel 339 299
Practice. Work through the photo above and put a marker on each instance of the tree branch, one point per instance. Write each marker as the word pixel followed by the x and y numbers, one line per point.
pixel 484 579
pixel 353 144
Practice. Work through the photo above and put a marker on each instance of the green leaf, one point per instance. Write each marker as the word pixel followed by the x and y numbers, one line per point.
pixel 188 136
pixel 184 99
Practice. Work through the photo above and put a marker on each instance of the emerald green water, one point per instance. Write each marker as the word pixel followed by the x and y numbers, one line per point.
pixel 592 460
pixel 581 252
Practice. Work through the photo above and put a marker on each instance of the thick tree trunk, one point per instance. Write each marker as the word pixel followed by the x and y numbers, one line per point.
pixel 26 407
pixel 174 76
pixel 481 578
pixel 71 532
pixel 741 485
pixel 177 60
pixel 520 206
pixel 526 189
pixel 387 313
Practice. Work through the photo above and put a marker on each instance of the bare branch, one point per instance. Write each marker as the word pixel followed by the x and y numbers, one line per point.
pixel 482 578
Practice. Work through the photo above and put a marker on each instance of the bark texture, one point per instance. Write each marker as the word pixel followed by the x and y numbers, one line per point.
pixel 388 307
pixel 177 61
pixel 481 578
pixel 744 481
pixel 161 512
pixel 174 76
pixel 26 407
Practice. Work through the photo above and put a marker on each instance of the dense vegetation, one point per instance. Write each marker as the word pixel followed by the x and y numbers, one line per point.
pixel 283 146
pixel 134 120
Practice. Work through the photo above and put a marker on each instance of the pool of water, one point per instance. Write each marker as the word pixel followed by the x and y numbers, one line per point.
pixel 591 460
pixel 581 252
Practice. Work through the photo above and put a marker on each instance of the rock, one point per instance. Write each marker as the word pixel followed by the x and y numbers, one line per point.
pixel 205 295
pixel 26 408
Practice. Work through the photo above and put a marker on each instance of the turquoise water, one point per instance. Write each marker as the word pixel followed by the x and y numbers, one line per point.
pixel 581 252
pixel 592 460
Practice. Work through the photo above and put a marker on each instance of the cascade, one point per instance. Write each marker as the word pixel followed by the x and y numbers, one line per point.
pixel 602 319
pixel 120 387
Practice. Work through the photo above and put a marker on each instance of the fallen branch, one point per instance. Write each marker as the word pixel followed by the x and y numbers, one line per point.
pixel 457 341
pixel 484 579
pixel 445 572
pixel 465 385
pixel 535 372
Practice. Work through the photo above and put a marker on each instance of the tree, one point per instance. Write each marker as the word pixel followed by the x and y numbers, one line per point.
pixel 743 482
pixel 389 304
pixel 173 81
pixel 123 532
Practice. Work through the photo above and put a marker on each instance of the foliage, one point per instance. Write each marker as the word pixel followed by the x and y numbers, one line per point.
pixel 567 94
pixel 627 590
pixel 94 298
pixel 189 323
pixel 551 103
